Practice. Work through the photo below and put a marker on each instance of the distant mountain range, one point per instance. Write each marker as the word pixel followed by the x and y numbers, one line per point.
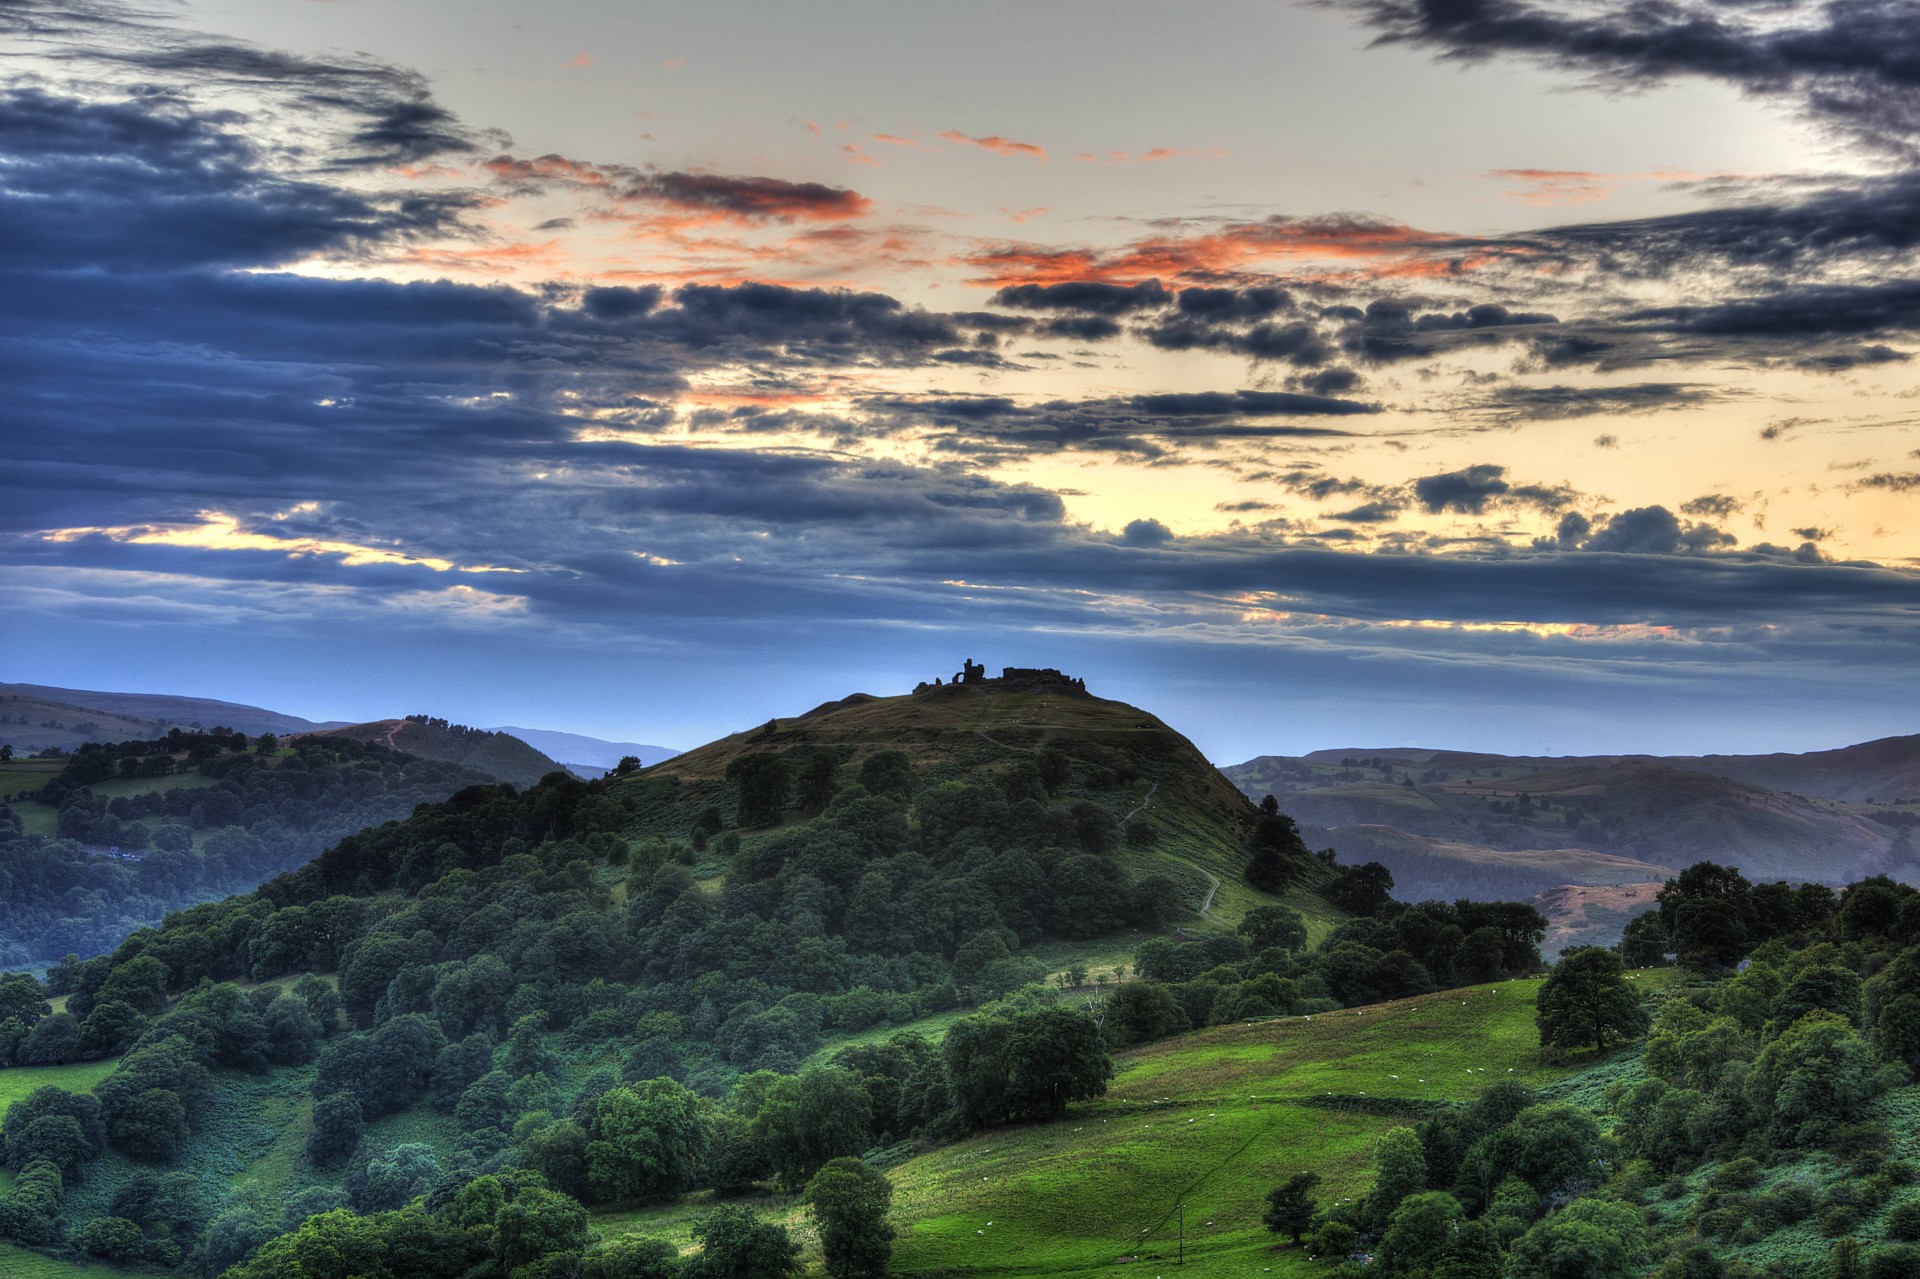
pixel 588 756
pixel 34 717
pixel 1578 830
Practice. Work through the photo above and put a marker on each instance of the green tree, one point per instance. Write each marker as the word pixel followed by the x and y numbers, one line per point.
pixel 734 1244
pixel 763 781
pixel 850 1199
pixel 1643 943
pixel 805 1120
pixel 1140 1012
pixel 1273 927
pixel 1400 1169
pixel 337 1125
pixel 1587 1001
pixel 1290 1206
pixel 646 1141
pixel 1588 1239
pixel 1419 1233
pixel 1818 1074
pixel 632 1257
pixel 110 1239
pixel 536 1225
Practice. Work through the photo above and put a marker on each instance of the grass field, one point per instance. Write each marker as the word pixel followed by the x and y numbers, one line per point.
pixel 17 1081
pixel 1215 1120
pixel 18 1263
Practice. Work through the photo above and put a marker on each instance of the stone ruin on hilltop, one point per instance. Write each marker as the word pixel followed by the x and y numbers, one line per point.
pixel 1025 679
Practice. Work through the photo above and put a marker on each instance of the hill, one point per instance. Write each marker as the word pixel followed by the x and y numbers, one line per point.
pixel 1471 822
pixel 501 756
pixel 582 753
pixel 877 926
pixel 106 841
pixel 114 717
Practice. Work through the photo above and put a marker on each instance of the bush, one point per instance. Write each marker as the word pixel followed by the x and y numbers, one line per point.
pixel 1903 1223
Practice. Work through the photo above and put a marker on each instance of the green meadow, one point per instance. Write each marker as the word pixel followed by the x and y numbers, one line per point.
pixel 1212 1121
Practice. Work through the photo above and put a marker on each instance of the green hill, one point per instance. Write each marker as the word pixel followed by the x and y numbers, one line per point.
pixel 500 756
pixel 875 927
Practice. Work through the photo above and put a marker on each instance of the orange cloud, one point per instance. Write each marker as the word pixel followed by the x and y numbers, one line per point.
pixel 1576 186
pixel 1153 155
pixel 581 59
pixel 853 152
pixel 1384 249
pixel 997 144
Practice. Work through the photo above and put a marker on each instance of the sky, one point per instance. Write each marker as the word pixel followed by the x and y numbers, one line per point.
pixel 1469 373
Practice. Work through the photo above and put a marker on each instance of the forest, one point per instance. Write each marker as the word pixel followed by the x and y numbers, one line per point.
pixel 223 814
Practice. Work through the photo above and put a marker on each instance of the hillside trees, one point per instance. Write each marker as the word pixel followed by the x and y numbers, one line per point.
pixel 1587 1002
pixel 1291 1207
pixel 1006 1066
pixel 849 1199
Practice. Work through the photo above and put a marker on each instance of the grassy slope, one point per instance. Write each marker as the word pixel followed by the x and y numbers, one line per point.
pixel 18 1263
pixel 17 1081
pixel 1218 1117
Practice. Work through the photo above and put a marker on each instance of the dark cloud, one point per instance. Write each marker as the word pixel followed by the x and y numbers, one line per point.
pixel 753 198
pixel 1890 482
pixel 1537 403
pixel 1223 305
pixel 1146 533
pixel 1369 513
pixel 1087 296
pixel 1718 506
pixel 147 183
pixel 1654 530
pixel 1853 66
pixel 1328 381
pixel 1467 491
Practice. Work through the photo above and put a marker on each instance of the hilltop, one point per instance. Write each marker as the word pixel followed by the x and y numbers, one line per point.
pixel 498 755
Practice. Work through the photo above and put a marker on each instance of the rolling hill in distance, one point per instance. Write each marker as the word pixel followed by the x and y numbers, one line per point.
pixel 1472 823
pixel 34 717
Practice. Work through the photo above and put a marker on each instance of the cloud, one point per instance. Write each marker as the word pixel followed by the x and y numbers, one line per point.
pixel 753 199
pixel 1088 296
pixel 1850 67
pixel 1654 530
pixel 1889 482
pixel 997 144
pixel 1540 403
pixel 1467 491
pixel 1717 505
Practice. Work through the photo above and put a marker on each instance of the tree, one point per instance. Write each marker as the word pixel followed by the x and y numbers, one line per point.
pixel 1362 889
pixel 645 1141
pixel 110 1239
pixel 536 1224
pixel 1400 1169
pixel 1140 1012
pixel 1587 1001
pixel 850 1199
pixel 53 1041
pixel 808 1119
pixel 887 773
pixel 1419 1233
pixel 1588 1239
pixel 1273 928
pixel 337 1126
pixel 1817 1074
pixel 632 1257
pixel 1644 944
pixel 1053 1056
pixel 763 781
pixel 737 1245
pixel 1290 1206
